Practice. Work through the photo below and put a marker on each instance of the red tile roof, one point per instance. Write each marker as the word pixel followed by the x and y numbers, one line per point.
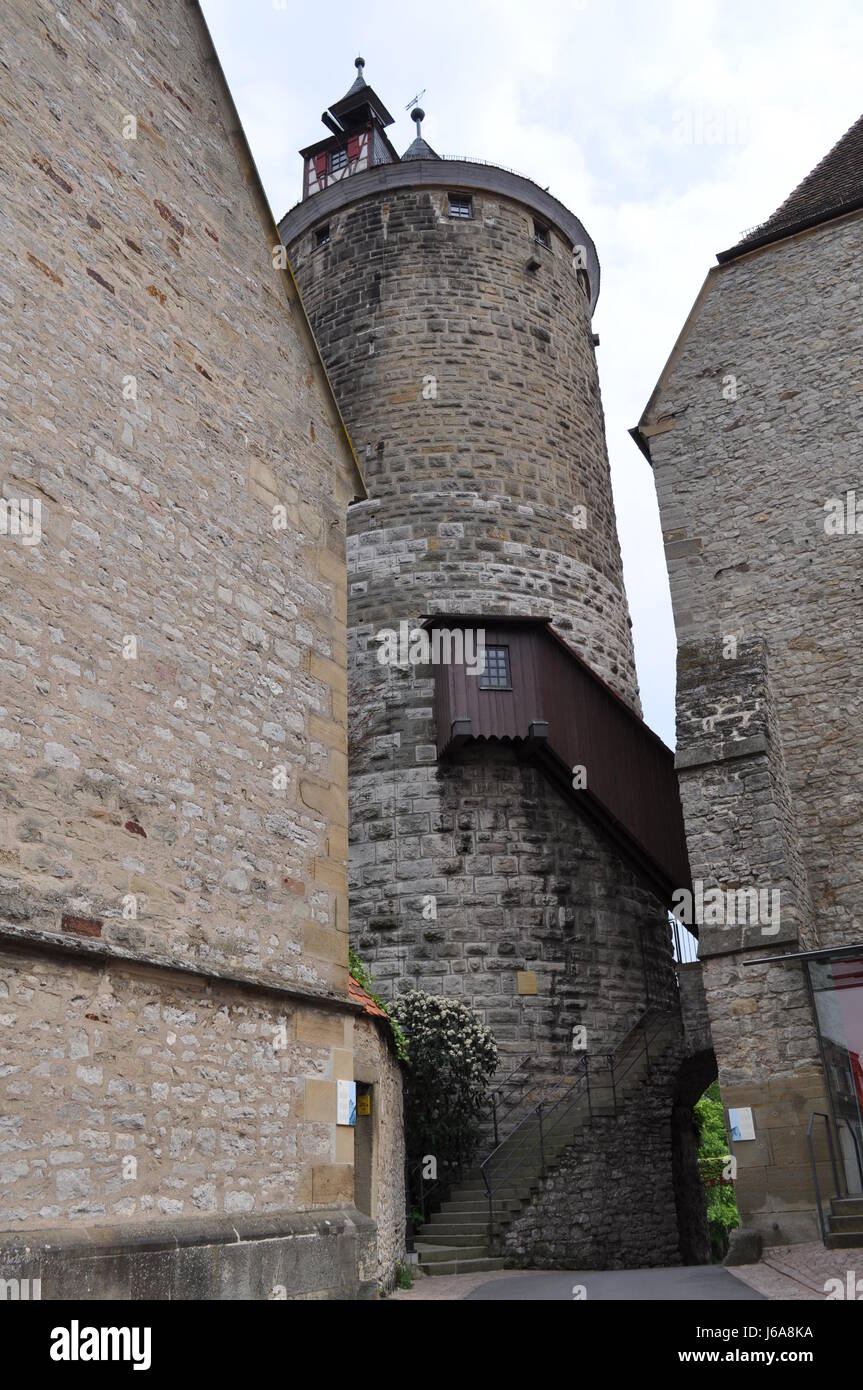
pixel 359 996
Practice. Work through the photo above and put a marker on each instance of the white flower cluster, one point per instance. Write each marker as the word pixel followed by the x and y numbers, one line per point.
pixel 445 1033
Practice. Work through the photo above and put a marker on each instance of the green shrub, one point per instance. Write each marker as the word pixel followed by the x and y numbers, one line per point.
pixel 452 1058
pixel 722 1214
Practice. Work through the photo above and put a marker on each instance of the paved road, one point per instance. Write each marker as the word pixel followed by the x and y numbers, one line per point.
pixel 667 1285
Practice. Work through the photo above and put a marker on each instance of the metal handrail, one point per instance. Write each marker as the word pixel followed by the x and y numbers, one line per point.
pixel 617 1063
pixel 512 1148
pixel 425 1191
pixel 509 1080
pixel 442 1183
pixel 821 1115
pixel 616 1072
pixel 486 163
pixel 842 1120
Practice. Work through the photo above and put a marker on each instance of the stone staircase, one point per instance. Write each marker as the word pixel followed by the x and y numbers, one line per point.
pixel 844 1223
pixel 456 1239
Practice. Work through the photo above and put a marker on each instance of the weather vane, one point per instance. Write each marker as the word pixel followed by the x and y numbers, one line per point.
pixel 415 100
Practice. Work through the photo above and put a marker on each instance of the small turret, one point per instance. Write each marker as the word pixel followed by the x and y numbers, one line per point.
pixel 357 139
pixel 419 148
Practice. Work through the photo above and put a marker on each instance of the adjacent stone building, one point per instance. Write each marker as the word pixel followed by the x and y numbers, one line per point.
pixel 174 995
pixel 515 830
pixel 755 433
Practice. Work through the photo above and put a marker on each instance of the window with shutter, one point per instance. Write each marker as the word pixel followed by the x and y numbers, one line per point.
pixel 321 164
pixel 353 147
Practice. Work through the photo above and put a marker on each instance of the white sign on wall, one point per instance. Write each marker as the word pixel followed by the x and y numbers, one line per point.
pixel 346 1102
pixel 741 1123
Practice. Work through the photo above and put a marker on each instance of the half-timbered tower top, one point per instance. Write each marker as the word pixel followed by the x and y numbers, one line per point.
pixel 357 139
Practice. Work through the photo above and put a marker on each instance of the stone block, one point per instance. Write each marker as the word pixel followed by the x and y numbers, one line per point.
pixel 333 1182
pixel 320 1026
pixel 320 1101
pixel 744 1247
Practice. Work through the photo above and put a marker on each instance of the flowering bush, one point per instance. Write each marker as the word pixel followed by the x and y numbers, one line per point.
pixel 452 1058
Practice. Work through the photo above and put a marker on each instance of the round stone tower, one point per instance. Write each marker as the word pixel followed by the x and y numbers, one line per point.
pixel 452 304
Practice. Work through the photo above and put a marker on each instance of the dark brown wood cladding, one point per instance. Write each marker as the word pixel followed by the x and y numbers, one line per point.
pixel 631 783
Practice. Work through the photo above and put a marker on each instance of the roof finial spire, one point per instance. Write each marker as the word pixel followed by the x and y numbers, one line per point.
pixel 419 149
pixel 359 83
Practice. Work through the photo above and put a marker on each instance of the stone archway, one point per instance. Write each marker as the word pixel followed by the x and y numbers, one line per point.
pixel 696 1073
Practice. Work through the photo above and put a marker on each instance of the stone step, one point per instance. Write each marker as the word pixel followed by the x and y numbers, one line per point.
pixel 441 1254
pixel 556 1135
pixel 841 1224
pixel 456 1205
pixel 454 1235
pixel 510 1164
pixel 472 1216
pixel 845 1240
pixel 604 1102
pixel 523 1160
pixel 552 1144
pixel 465 1266
pixel 478 1193
pixel 847 1206
pixel 528 1168
pixel 524 1181
pixel 459 1218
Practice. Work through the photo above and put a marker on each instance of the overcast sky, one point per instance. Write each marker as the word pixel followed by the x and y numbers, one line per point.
pixel 668 126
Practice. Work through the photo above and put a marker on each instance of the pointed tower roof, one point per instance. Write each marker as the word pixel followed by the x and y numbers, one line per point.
pixel 359 98
pixel 419 148
pixel 833 187
pixel 359 81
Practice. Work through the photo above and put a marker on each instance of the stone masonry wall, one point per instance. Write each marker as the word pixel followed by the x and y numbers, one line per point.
pixel 521 882
pixel 173 789
pixel 759 424
pixel 470 388
pixel 152 775
pixel 610 1202
pixel 471 391
pixel 375 1062
pixel 131 1094
pixel 740 822
pixel 742 485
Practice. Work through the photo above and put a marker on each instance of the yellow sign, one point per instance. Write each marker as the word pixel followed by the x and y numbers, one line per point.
pixel 364 1104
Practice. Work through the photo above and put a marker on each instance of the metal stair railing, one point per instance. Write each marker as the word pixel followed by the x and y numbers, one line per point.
pixel 434 1190
pixel 852 1132
pixel 509 1093
pixel 822 1115
pixel 555 1111
pixel 501 1101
